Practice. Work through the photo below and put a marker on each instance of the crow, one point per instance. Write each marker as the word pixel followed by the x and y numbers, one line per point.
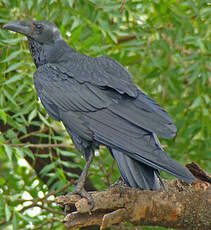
pixel 98 103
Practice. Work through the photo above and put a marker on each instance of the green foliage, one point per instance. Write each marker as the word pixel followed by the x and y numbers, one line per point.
pixel 166 46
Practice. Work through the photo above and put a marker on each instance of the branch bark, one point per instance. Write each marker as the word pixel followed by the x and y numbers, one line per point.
pixel 182 206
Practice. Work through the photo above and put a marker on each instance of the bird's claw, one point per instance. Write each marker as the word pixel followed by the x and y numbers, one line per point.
pixel 84 194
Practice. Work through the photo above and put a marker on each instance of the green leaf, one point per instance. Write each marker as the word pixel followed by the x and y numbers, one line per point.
pixel 7 212
pixel 8 151
pixel 26 218
pixel 13 79
pixel 28 153
pixel 68 153
pixel 2 181
pixel 75 33
pixel 112 36
pixel 12 67
pixel 205 112
pixel 3 116
pixel 43 155
pixel 6 93
pixel 12 41
pixel 44 119
pixel 197 102
pixel 70 164
pixel 12 55
pixel 48 168
pixel 14 221
pixel 61 173
pixel 72 175
pixel 32 115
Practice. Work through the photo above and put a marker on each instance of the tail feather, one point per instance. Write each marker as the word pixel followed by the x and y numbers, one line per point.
pixel 134 173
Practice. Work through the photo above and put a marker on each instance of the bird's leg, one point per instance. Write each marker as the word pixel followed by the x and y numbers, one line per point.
pixel 81 181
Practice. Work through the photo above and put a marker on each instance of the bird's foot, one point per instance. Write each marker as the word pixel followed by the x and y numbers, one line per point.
pixel 84 194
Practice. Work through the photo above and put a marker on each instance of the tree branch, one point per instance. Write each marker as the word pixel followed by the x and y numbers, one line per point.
pixel 60 145
pixel 122 5
pixel 182 206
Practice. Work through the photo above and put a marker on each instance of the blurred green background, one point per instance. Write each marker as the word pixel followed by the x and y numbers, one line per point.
pixel 166 46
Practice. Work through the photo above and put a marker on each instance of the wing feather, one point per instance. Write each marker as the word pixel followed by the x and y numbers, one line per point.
pixel 66 93
pixel 135 142
pixel 60 92
pixel 100 71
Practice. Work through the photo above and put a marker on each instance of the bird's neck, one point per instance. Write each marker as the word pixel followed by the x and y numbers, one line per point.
pixel 48 53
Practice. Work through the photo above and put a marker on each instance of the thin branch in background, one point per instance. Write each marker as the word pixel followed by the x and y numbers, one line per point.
pixel 111 169
pixel 125 38
pixel 49 221
pixel 53 193
pixel 30 200
pixel 41 145
pixel 208 67
pixel 41 130
pixel 122 5
pixel 60 190
pixel 50 209
pixel 107 175
pixel 106 179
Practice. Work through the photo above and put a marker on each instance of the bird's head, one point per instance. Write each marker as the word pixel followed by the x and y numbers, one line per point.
pixel 42 32
pixel 45 42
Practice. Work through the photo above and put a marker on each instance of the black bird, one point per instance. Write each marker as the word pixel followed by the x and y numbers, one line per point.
pixel 98 104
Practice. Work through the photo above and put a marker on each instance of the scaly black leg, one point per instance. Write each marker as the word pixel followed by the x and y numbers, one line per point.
pixel 81 182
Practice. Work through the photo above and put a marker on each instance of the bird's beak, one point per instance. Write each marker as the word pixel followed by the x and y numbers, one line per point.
pixel 22 27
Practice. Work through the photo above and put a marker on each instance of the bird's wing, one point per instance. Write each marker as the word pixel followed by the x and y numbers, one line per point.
pixel 145 113
pixel 116 76
pixel 60 92
pixel 100 71
pixel 137 143
pixel 65 93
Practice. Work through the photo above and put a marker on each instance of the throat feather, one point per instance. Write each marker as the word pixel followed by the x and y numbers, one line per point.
pixel 37 53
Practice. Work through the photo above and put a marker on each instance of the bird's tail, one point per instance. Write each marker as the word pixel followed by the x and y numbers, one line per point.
pixel 136 174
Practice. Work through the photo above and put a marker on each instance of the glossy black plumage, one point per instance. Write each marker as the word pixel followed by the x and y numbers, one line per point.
pixel 98 103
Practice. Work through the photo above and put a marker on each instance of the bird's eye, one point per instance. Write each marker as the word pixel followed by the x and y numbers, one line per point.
pixel 39 26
